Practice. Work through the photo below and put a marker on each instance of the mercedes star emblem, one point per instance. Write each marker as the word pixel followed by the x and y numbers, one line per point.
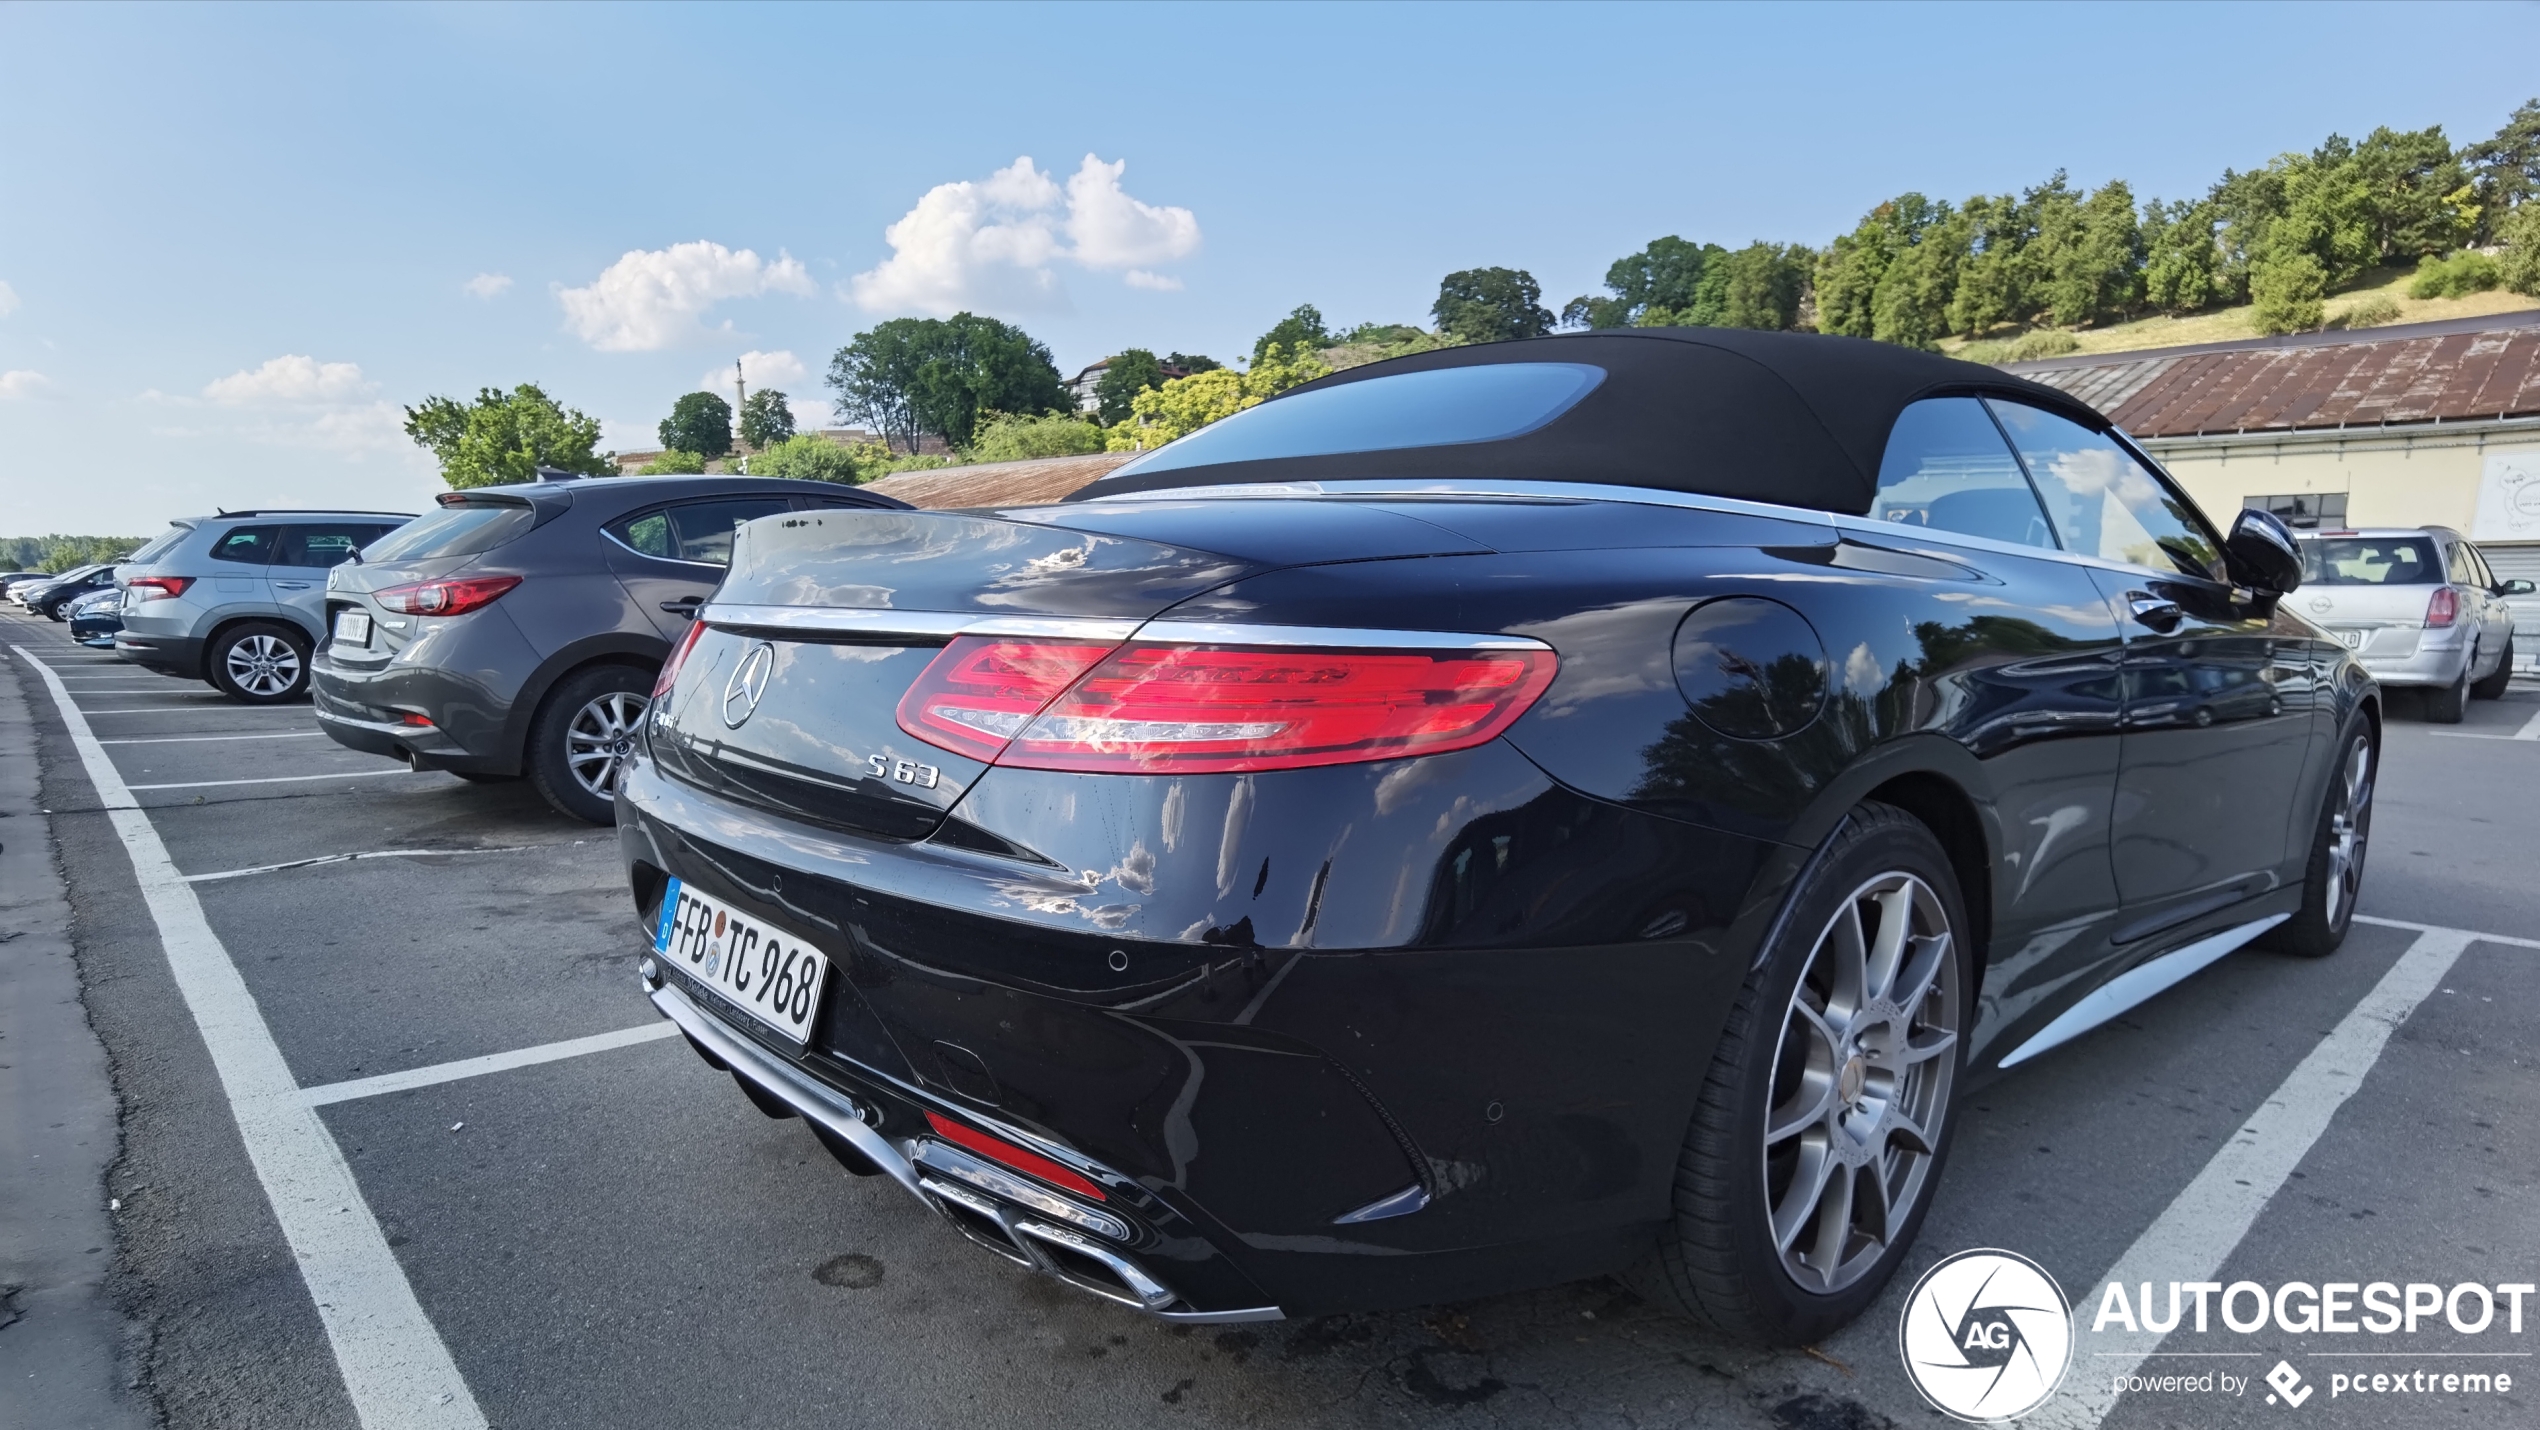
pixel 742 691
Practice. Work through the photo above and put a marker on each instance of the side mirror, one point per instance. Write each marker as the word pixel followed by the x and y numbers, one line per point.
pixel 2516 587
pixel 2260 554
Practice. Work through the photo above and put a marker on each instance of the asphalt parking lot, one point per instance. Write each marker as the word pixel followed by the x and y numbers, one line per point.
pixel 587 1230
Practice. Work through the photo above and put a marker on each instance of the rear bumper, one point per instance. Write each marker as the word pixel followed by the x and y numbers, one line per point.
pixel 367 709
pixel 2430 664
pixel 1492 1097
pixel 180 656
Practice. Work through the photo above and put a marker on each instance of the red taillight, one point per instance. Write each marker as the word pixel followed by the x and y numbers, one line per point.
pixel 983 690
pixel 454 597
pixel 2444 609
pixel 1215 709
pixel 678 657
pixel 158 588
pixel 997 1149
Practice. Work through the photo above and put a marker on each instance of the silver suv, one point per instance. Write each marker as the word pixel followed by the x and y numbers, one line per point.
pixel 2418 606
pixel 239 599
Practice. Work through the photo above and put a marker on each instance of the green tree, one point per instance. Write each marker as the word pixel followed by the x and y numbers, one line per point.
pixel 2505 169
pixel 506 436
pixel 1848 272
pixel 2085 263
pixel 2518 262
pixel 1123 378
pixel 1992 287
pixel 1192 362
pixel 2179 255
pixel 938 375
pixel 2421 198
pixel 699 422
pixel 1489 305
pixel 1666 275
pixel 1301 330
pixel 1186 404
pixel 766 419
pixel 1910 305
pixel 674 463
pixel 2287 290
pixel 807 457
pixel 1759 286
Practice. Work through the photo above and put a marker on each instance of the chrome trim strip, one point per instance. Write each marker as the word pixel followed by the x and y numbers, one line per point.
pixel 1413 487
pixel 843 620
pixel 1402 1203
pixel 377 727
pixel 1150 1294
pixel 1229 633
pixel 955 1163
pixel 1221 1318
pixel 2137 984
pixel 814 1100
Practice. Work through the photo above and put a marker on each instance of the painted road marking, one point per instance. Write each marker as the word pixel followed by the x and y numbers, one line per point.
pixel 491 1063
pixel 283 779
pixel 189 739
pixel 197 708
pixel 2204 1224
pixel 397 1371
pixel 369 854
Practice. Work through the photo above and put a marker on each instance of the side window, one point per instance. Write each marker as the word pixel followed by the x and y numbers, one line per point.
pixel 1946 467
pixel 321 546
pixel 2103 502
pixel 2479 568
pixel 705 528
pixel 647 532
pixel 2458 567
pixel 246 545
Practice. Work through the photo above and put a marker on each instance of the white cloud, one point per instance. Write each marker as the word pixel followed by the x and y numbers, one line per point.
pixel 23 383
pixel 488 285
pixel 653 299
pixel 291 378
pixel 8 299
pixel 1113 230
pixel 1153 282
pixel 989 243
pixel 760 370
pixel 810 413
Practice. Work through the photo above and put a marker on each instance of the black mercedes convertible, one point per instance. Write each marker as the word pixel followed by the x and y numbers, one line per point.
pixel 1499 816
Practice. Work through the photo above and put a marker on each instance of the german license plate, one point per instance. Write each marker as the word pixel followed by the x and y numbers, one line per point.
pixel 352 627
pixel 765 972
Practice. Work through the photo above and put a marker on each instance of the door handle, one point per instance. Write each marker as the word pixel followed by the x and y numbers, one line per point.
pixel 684 606
pixel 292 585
pixel 2150 610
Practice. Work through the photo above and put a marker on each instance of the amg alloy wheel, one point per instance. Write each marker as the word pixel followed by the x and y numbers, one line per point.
pixel 1862 1075
pixel 1822 1126
pixel 2334 878
pixel 259 663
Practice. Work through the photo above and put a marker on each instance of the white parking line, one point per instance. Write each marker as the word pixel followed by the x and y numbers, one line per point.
pixel 193 739
pixel 282 779
pixel 491 1063
pixel 349 858
pixel 2204 1224
pixel 397 1370
pixel 222 706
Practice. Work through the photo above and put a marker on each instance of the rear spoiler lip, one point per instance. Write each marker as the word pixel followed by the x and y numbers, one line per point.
pixel 944 625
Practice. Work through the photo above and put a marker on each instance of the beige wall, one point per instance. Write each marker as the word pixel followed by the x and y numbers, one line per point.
pixel 2418 479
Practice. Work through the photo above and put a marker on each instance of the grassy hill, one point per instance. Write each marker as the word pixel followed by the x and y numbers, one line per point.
pixel 2228 324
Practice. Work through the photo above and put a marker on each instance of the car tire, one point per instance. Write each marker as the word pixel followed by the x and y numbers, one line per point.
pixel 259 663
pixel 581 737
pixel 2333 877
pixel 2493 687
pixel 1806 1058
pixel 2447 705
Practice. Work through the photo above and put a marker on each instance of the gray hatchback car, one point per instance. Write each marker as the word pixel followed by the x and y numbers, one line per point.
pixel 517 630
pixel 238 599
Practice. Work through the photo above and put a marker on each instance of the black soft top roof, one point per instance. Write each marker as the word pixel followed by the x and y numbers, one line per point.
pixel 1793 418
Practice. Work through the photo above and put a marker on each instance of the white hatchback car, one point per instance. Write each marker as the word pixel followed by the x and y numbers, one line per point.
pixel 2418 606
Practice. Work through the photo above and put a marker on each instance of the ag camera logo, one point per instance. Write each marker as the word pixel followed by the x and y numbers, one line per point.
pixel 1987 1335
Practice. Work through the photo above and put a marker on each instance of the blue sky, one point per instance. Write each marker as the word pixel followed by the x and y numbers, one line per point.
pixel 236 239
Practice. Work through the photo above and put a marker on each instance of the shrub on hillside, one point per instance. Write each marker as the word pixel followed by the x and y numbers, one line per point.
pixel 2372 312
pixel 2458 276
pixel 2518 262
pixel 1008 437
pixel 806 457
pixel 2287 293
pixel 673 463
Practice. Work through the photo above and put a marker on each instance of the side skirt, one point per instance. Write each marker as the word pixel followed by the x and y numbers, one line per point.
pixel 2135 985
